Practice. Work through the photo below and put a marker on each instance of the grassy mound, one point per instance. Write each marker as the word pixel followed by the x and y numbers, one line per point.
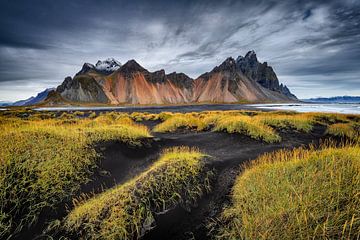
pixel 127 211
pixel 247 126
pixel 300 122
pixel 299 194
pixel 144 116
pixel 183 121
pixel 330 118
pixel 348 130
pixel 231 122
pixel 44 162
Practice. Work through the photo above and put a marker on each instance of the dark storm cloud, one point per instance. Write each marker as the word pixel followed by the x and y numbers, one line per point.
pixel 314 46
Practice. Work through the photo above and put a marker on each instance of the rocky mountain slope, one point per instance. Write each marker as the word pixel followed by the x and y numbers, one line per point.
pixel 109 82
pixel 228 83
pixel 261 73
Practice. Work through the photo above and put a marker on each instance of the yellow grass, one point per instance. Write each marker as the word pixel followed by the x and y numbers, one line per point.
pixel 127 211
pixel 299 194
pixel 165 115
pixel 180 121
pixel 329 118
pixel 247 126
pixel 44 162
pixel 45 158
pixel 228 121
pixel 348 130
pixel 139 116
pixel 300 122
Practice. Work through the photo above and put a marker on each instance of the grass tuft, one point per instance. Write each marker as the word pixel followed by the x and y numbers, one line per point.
pixel 127 211
pixel 299 194
pixel 344 130
pixel 300 122
pixel 247 126
pixel 176 122
pixel 44 162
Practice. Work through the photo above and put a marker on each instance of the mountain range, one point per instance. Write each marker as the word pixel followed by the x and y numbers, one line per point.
pixel 41 96
pixel 109 82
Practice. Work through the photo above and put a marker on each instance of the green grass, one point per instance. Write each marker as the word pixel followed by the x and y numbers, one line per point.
pixel 299 194
pixel 127 211
pixel 44 162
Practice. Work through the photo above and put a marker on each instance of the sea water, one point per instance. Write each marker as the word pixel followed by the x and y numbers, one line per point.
pixel 348 108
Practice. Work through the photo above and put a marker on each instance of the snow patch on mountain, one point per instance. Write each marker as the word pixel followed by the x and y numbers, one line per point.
pixel 108 65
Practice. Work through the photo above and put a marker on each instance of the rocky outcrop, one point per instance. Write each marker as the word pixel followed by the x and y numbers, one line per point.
pixel 54 98
pixel 285 90
pixel 261 73
pixel 225 83
pixel 243 79
pixel 82 88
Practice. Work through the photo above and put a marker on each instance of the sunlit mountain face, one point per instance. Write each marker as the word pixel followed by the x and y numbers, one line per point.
pixel 313 46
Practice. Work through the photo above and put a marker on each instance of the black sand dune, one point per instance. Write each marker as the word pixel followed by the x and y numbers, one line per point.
pixel 120 162
pixel 227 152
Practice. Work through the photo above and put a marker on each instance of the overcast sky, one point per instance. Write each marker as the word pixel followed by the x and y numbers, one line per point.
pixel 314 46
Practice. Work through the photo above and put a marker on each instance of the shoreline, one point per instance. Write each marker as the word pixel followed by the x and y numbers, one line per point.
pixel 297 107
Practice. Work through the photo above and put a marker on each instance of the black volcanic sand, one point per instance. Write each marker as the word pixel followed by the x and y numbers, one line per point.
pixel 159 109
pixel 227 152
pixel 120 162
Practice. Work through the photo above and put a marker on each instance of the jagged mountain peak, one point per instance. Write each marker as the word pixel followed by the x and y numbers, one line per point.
pixel 180 79
pixel 110 64
pixel 86 68
pixel 228 65
pixel 107 66
pixel 132 66
pixel 249 59
pixel 180 74
pixel 88 65
pixel 229 61
pixel 251 55
pixel 160 72
pixel 261 73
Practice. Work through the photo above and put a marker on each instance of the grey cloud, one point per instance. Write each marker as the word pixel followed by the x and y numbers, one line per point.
pixel 309 43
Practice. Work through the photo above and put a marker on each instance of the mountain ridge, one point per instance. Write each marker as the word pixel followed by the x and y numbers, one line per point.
pixel 241 80
pixel 41 96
